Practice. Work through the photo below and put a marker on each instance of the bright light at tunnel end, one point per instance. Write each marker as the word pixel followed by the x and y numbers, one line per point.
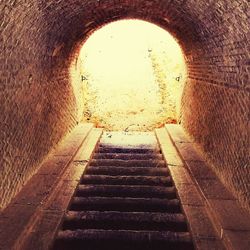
pixel 129 76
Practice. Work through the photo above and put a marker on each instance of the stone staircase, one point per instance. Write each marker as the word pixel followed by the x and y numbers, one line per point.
pixel 125 200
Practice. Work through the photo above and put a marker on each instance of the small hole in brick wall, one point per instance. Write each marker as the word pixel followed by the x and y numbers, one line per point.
pixel 129 76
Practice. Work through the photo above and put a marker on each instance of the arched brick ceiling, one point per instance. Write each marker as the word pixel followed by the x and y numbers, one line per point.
pixel 197 25
pixel 72 21
pixel 39 40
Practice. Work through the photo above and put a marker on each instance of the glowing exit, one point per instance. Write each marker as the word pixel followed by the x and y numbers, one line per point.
pixel 132 74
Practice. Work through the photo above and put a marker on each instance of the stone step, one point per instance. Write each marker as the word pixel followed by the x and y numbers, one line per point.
pixel 116 171
pixel 131 163
pixel 122 239
pixel 123 150
pixel 127 180
pixel 125 204
pixel 126 191
pixel 128 157
pixel 144 147
pixel 126 200
pixel 124 220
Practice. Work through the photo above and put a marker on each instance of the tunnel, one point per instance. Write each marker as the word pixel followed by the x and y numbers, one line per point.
pixel 41 40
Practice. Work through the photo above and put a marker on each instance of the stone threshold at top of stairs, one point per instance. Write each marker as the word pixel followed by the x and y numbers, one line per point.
pixel 30 221
pixel 216 219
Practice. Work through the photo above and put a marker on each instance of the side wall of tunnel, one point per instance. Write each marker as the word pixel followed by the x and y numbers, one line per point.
pixel 216 99
pixel 38 105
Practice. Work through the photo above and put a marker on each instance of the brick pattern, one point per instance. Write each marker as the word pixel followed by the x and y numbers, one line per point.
pixel 215 105
pixel 40 40
pixel 221 129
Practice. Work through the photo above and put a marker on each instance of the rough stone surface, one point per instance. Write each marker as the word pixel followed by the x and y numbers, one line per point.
pixel 241 239
pixel 208 244
pixel 229 215
pixel 189 194
pixel 213 189
pixel 199 222
pixel 40 40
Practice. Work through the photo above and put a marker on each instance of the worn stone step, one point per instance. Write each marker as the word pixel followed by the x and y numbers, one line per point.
pixel 128 157
pixel 116 171
pixel 125 204
pixel 124 220
pixel 123 150
pixel 127 180
pixel 125 163
pixel 122 239
pixel 147 147
pixel 126 191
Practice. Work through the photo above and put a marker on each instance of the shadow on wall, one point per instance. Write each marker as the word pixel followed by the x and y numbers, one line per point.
pixel 129 76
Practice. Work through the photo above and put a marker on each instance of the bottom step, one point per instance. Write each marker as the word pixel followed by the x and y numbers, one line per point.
pixel 122 240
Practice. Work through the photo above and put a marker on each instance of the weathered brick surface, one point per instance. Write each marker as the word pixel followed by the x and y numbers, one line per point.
pixel 40 40
pixel 218 118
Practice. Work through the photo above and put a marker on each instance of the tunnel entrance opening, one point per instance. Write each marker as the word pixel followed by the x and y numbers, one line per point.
pixel 129 76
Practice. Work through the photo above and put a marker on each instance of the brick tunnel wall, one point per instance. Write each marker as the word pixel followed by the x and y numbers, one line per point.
pixel 216 100
pixel 37 105
pixel 41 39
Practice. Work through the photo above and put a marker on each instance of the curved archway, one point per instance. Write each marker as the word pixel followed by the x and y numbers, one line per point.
pixel 129 75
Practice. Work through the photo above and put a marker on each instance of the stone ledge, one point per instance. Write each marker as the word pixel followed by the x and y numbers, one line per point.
pixel 168 150
pixel 231 222
pixel 17 220
pixel 177 134
pixel 203 232
pixel 59 199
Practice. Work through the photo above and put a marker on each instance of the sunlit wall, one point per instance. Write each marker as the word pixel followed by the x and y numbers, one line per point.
pixel 129 76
